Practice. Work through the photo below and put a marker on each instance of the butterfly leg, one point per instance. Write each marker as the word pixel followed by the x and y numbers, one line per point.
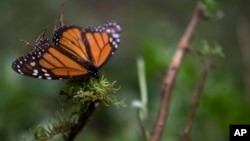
pixel 69 74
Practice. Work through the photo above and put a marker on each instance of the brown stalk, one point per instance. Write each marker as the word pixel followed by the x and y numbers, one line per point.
pixel 195 101
pixel 170 76
pixel 81 123
pixel 243 34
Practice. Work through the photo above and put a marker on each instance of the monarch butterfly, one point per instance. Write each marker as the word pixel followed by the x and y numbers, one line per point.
pixel 75 52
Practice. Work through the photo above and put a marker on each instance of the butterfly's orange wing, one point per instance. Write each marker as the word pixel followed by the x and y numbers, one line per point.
pixel 70 39
pixel 47 62
pixel 103 41
pixel 93 44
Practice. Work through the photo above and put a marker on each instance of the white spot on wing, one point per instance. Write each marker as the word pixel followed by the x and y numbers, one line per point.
pixel 32 64
pixel 49 78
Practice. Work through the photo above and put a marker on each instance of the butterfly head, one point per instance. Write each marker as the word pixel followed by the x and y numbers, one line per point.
pixel 93 71
pixel 94 74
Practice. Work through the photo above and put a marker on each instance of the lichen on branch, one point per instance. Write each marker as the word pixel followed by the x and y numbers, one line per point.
pixel 79 99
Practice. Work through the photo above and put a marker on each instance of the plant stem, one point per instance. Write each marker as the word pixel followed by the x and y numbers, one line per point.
pixel 82 121
pixel 195 102
pixel 170 76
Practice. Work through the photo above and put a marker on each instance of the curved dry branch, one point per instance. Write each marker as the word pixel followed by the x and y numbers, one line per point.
pixel 170 76
pixel 195 100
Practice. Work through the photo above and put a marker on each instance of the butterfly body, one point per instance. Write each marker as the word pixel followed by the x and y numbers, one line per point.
pixel 75 52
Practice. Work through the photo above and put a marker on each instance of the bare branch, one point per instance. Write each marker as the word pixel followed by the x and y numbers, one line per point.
pixel 243 34
pixel 170 76
pixel 195 102
pixel 82 121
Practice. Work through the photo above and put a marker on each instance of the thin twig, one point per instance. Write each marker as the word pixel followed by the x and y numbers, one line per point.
pixel 27 43
pixel 243 34
pixel 195 102
pixel 59 20
pixel 42 35
pixel 169 78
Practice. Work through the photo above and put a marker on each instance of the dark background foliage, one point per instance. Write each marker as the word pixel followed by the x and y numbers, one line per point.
pixel 151 29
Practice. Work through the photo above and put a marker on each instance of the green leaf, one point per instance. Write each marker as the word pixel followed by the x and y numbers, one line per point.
pixel 211 7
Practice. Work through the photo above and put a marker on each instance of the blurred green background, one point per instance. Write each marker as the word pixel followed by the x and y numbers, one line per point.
pixel 151 29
